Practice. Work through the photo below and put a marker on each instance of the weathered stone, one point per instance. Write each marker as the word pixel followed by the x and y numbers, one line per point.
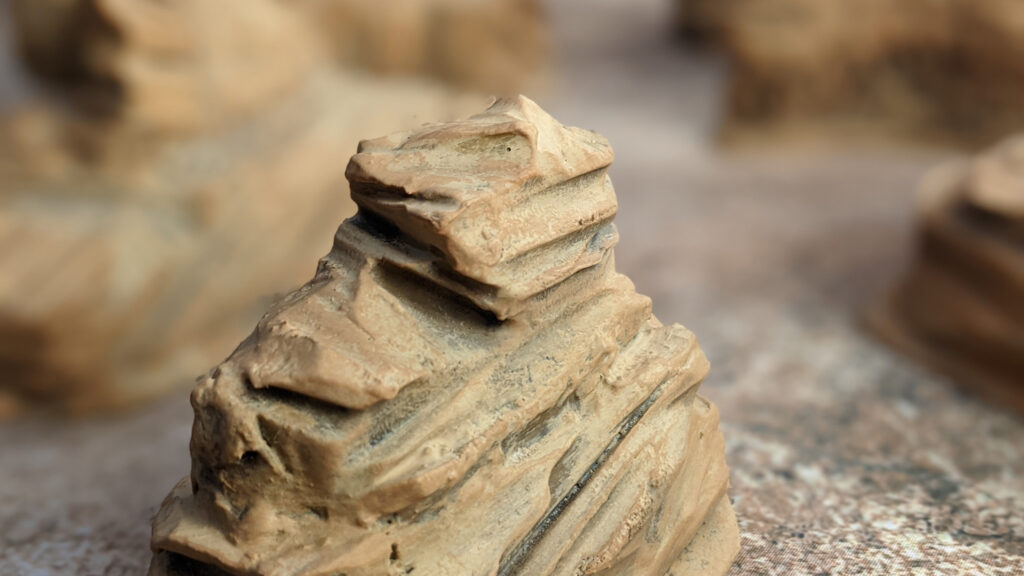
pixel 498 46
pixel 961 308
pixel 182 65
pixel 465 387
pixel 130 275
pixel 141 242
pixel 949 71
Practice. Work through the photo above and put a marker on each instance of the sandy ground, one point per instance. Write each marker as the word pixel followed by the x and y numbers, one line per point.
pixel 846 458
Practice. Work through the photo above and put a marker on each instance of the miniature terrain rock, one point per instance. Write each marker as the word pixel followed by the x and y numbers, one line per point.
pixel 961 307
pixel 142 242
pixel 168 65
pixel 497 46
pixel 467 386
pixel 947 71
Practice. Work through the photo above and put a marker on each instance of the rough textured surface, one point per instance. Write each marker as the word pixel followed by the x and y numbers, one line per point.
pixel 135 256
pixel 961 308
pixel 948 70
pixel 466 387
pixel 845 457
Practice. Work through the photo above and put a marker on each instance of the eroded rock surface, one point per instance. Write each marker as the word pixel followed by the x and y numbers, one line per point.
pixel 947 71
pixel 465 387
pixel 961 308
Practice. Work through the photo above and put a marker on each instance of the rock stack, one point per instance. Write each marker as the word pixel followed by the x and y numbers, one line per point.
pixel 139 225
pixel 961 308
pixel 465 387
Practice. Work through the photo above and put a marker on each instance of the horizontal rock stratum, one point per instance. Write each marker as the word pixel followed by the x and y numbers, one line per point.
pixel 465 387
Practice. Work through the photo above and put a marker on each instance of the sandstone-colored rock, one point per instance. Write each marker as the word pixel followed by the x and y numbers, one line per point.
pixel 130 272
pixel 142 241
pixel 946 71
pixel 996 180
pixel 465 387
pixel 178 65
pixel 961 307
pixel 497 46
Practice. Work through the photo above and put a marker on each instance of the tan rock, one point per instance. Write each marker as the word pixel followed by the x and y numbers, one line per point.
pixel 142 242
pixel 170 65
pixel 996 180
pixel 497 46
pixel 131 273
pixel 948 71
pixel 465 387
pixel 961 307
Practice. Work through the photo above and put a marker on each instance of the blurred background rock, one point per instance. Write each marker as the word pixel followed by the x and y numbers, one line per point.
pixel 845 456
pixel 961 308
pixel 935 71
pixel 187 166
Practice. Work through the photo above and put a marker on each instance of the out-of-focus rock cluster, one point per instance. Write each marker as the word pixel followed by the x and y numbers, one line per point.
pixel 497 46
pixel 187 173
pixel 961 308
pixel 946 71
pixel 158 52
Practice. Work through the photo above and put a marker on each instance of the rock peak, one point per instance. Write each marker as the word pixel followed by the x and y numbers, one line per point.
pixel 510 199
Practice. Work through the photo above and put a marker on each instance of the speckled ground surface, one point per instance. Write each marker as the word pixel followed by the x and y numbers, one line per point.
pixel 846 458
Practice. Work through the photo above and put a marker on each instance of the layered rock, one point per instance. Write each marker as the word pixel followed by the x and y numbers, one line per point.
pixel 467 386
pixel 961 307
pixel 948 71
pixel 143 240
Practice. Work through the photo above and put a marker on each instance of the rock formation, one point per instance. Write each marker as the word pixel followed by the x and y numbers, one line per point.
pixel 949 71
pixel 142 239
pixel 178 65
pixel 961 308
pixel 465 387
pixel 496 46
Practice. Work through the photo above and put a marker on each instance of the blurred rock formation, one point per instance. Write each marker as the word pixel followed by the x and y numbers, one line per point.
pixel 961 307
pixel 467 386
pixel 191 175
pixel 496 46
pixel 950 71
pixel 180 65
